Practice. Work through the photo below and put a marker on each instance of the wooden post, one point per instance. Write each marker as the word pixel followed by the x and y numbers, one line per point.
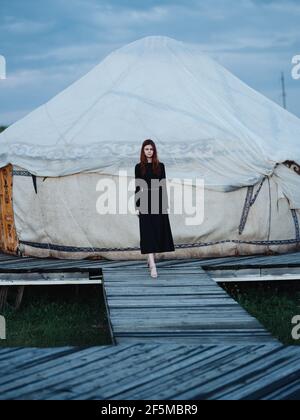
pixel 8 234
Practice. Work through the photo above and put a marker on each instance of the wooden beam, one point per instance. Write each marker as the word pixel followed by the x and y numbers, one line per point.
pixel 8 234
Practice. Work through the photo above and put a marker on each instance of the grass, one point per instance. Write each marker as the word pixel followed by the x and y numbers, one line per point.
pixel 76 315
pixel 274 304
pixel 58 316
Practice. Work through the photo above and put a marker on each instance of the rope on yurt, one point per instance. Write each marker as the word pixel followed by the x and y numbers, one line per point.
pixel 270 209
pixel 296 222
pixel 249 202
pixel 34 183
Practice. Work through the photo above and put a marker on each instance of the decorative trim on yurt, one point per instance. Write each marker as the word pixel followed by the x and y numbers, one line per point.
pixel 293 165
pixel 8 234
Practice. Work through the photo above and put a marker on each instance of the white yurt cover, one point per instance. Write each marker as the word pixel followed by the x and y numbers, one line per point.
pixel 206 122
pixel 58 218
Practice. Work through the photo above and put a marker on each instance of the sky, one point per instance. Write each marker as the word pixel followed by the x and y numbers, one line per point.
pixel 49 44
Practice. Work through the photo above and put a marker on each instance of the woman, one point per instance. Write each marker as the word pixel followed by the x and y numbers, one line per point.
pixel 155 229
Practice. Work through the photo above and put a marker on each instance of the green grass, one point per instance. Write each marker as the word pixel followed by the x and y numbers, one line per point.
pixel 76 316
pixel 274 304
pixel 58 316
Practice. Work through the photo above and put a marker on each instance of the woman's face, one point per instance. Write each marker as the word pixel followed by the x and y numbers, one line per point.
pixel 149 152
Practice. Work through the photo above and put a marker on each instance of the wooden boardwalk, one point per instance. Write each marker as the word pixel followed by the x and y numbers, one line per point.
pixel 287 260
pixel 284 261
pixel 151 372
pixel 183 305
pixel 175 370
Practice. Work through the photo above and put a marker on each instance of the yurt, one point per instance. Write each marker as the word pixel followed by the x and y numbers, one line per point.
pixel 207 125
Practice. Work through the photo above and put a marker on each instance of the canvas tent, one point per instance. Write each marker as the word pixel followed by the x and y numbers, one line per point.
pixel 207 124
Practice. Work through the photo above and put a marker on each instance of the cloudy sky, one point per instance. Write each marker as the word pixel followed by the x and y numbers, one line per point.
pixel 48 44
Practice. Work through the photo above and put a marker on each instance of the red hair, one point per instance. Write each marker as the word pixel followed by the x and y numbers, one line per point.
pixel 155 160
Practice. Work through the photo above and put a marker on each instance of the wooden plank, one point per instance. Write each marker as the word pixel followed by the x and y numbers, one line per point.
pixel 186 370
pixel 176 307
pixel 232 373
pixel 284 261
pixel 73 281
pixel 141 367
pixel 255 261
pixel 151 372
pixel 255 274
pixel 38 279
pixel 154 371
pixel 8 234
pixel 159 291
pixel 255 279
pixel 91 363
pixel 45 276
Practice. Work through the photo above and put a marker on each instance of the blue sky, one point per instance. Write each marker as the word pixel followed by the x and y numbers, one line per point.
pixel 48 44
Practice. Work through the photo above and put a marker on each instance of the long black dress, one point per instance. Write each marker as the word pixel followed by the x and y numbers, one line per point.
pixel 155 229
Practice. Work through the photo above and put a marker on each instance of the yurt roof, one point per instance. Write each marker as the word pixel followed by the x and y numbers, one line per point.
pixel 205 121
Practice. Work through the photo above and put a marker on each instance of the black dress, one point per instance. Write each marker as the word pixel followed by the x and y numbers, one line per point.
pixel 155 229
